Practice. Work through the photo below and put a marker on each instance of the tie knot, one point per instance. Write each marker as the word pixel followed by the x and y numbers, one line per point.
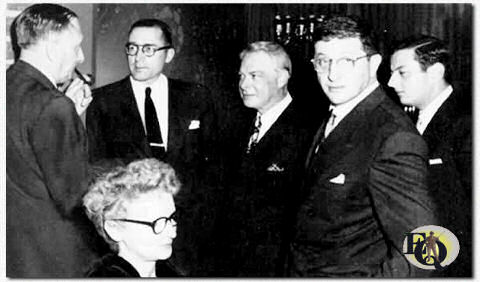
pixel 148 91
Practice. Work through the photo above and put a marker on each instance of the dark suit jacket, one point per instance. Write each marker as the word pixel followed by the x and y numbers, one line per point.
pixel 115 128
pixel 355 226
pixel 449 139
pixel 46 178
pixel 260 195
pixel 111 265
pixel 116 132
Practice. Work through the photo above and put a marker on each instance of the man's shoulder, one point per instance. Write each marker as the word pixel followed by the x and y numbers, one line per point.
pixel 116 87
pixel 391 115
pixel 186 87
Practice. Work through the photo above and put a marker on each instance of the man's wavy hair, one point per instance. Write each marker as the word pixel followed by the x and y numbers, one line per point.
pixel 342 27
pixel 272 49
pixel 107 195
pixel 428 51
pixel 38 20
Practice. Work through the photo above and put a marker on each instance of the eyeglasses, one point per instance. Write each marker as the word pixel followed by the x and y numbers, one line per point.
pixel 322 64
pixel 147 49
pixel 158 225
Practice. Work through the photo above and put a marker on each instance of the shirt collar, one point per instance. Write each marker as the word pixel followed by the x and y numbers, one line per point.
pixel 426 115
pixel 277 109
pixel 269 117
pixel 340 111
pixel 139 87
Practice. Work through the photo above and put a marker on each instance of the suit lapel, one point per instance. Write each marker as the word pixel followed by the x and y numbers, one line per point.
pixel 133 115
pixel 346 134
pixel 176 123
pixel 441 122
pixel 319 137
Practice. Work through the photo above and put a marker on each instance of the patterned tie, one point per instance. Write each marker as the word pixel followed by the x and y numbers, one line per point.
pixel 154 135
pixel 256 132
pixel 330 123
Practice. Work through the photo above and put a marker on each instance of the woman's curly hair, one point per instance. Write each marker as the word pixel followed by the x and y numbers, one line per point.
pixel 108 193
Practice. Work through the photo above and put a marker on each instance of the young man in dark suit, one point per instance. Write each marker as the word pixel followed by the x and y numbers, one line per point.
pixel 147 114
pixel 46 145
pixel 365 183
pixel 421 76
pixel 266 163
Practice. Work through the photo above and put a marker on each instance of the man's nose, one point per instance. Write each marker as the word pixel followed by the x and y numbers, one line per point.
pixel 81 56
pixel 392 82
pixel 332 71
pixel 243 83
pixel 140 56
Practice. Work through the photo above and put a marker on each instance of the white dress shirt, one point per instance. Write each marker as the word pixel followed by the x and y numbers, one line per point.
pixel 426 115
pixel 160 101
pixel 269 117
pixel 342 110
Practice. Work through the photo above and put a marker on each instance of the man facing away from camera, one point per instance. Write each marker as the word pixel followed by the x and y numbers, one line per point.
pixel 365 184
pixel 47 159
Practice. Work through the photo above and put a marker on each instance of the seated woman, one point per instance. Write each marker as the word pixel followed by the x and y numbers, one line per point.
pixel 132 208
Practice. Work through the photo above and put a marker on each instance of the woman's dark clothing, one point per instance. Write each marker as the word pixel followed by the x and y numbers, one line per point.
pixel 112 265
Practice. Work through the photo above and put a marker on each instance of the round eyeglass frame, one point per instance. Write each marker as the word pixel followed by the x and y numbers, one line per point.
pixel 158 225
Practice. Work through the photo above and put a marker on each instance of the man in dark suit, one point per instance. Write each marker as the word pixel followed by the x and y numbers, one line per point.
pixel 46 145
pixel 365 184
pixel 147 114
pixel 421 76
pixel 265 166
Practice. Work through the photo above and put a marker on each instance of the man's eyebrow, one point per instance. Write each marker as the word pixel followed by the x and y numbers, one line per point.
pixel 399 67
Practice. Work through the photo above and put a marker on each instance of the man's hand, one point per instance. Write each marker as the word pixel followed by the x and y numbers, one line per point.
pixel 80 94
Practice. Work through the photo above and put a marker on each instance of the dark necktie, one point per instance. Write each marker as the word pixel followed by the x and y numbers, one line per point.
pixel 329 126
pixel 256 132
pixel 154 135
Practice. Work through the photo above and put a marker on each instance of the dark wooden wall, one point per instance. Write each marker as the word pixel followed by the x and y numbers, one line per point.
pixel 209 38
pixel 450 22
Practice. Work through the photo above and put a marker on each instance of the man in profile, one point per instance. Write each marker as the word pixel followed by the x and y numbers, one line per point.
pixel 422 77
pixel 267 158
pixel 46 146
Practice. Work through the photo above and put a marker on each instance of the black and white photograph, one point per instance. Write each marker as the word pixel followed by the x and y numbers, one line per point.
pixel 239 140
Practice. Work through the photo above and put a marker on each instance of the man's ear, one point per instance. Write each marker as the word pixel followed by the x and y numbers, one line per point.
pixel 113 230
pixel 375 61
pixel 282 78
pixel 51 47
pixel 170 55
pixel 436 71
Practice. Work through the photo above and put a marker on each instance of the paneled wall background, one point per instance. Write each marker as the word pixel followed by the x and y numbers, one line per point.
pixel 209 37
pixel 450 22
pixel 85 14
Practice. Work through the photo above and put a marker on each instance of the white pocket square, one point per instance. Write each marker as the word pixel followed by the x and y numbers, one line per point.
pixel 194 124
pixel 275 167
pixel 340 179
pixel 435 161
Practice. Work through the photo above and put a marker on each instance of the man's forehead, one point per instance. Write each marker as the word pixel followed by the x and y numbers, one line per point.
pixel 151 34
pixel 403 57
pixel 351 45
pixel 257 61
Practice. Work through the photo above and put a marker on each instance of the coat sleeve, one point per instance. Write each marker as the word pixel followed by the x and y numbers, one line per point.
pixel 400 196
pixel 96 142
pixel 59 144
pixel 209 121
